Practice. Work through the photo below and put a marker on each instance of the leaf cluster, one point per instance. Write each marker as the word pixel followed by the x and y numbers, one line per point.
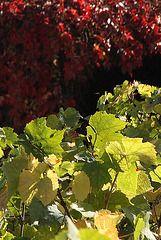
pixel 60 182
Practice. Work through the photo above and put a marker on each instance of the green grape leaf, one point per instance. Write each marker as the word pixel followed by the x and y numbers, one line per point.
pixel 118 200
pixel 157 108
pixel 62 168
pixel 53 122
pixel 104 129
pixel 132 150
pixel 8 236
pixel 45 215
pixel 37 181
pixel 156 174
pixel 138 204
pixel 92 234
pixel 139 225
pixel 143 183
pixel 132 132
pixel 2 138
pixel 46 232
pixel 12 172
pixel 132 182
pixel 14 204
pixel 97 173
pixel 11 137
pixel 44 138
pixel 61 235
pixel 127 181
pixel 28 232
pixel 70 117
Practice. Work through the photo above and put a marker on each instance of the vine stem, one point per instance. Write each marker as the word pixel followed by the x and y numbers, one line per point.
pixel 64 205
pixel 109 195
pixel 22 220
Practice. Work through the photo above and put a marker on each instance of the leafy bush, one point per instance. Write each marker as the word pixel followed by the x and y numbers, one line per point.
pixel 48 49
pixel 69 177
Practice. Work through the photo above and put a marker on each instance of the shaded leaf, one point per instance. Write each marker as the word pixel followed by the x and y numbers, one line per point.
pixel 69 117
pixel 81 185
pixel 53 122
pixel 12 171
pixel 45 215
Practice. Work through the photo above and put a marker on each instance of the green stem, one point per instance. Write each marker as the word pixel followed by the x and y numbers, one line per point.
pixel 109 195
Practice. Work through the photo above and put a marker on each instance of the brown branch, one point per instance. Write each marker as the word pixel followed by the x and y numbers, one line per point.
pixel 109 195
pixel 64 205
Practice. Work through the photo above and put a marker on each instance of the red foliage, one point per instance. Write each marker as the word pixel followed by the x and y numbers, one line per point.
pixel 46 45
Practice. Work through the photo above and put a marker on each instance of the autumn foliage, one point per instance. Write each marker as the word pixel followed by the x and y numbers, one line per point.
pixel 47 46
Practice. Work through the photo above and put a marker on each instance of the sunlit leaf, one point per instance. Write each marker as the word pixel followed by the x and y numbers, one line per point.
pixel 132 150
pixel 47 187
pixel 156 174
pixel 37 181
pixel 105 224
pixel 43 137
pixel 105 128
pixel 144 89
pixel 11 137
pixel 139 225
pixel 86 234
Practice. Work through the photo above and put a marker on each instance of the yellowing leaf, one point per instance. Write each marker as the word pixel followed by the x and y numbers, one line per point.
pixel 36 166
pixel 52 159
pixel 81 185
pixel 47 187
pixel 28 185
pixel 37 181
pixel 105 224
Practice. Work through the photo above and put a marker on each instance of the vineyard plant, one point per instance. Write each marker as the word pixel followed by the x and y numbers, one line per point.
pixel 49 50
pixel 69 177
